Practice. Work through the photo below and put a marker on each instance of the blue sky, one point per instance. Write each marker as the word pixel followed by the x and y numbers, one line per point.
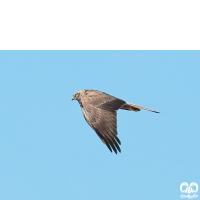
pixel 48 151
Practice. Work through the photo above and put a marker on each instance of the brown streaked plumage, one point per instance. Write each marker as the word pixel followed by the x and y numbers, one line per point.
pixel 99 110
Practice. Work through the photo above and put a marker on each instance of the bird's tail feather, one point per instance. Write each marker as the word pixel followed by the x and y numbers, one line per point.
pixel 134 107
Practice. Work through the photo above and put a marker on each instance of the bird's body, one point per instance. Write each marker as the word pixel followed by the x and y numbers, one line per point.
pixel 99 110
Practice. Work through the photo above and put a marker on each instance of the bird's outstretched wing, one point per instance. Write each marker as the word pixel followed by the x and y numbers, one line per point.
pixel 100 113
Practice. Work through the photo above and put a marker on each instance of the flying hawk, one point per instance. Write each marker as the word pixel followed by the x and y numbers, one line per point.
pixel 99 110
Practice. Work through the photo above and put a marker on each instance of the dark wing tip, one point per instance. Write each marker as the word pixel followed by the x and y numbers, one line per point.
pixel 108 145
pixel 116 138
pixel 109 141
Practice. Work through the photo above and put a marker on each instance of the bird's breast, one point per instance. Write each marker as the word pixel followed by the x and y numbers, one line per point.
pixel 84 114
pixel 81 105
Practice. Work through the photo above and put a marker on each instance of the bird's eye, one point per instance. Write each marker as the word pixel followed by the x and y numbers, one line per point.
pixel 76 94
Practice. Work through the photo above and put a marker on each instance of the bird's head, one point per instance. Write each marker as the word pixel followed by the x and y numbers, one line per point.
pixel 76 96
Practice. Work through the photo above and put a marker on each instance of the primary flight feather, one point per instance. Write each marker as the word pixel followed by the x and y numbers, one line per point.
pixel 99 110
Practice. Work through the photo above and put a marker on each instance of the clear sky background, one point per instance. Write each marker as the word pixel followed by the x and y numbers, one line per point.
pixel 48 151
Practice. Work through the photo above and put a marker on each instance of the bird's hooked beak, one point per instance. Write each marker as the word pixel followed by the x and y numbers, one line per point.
pixel 73 98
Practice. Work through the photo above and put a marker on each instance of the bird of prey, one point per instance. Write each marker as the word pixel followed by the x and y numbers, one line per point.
pixel 99 110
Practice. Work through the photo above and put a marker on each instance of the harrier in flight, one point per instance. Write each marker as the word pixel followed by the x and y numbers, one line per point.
pixel 99 110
